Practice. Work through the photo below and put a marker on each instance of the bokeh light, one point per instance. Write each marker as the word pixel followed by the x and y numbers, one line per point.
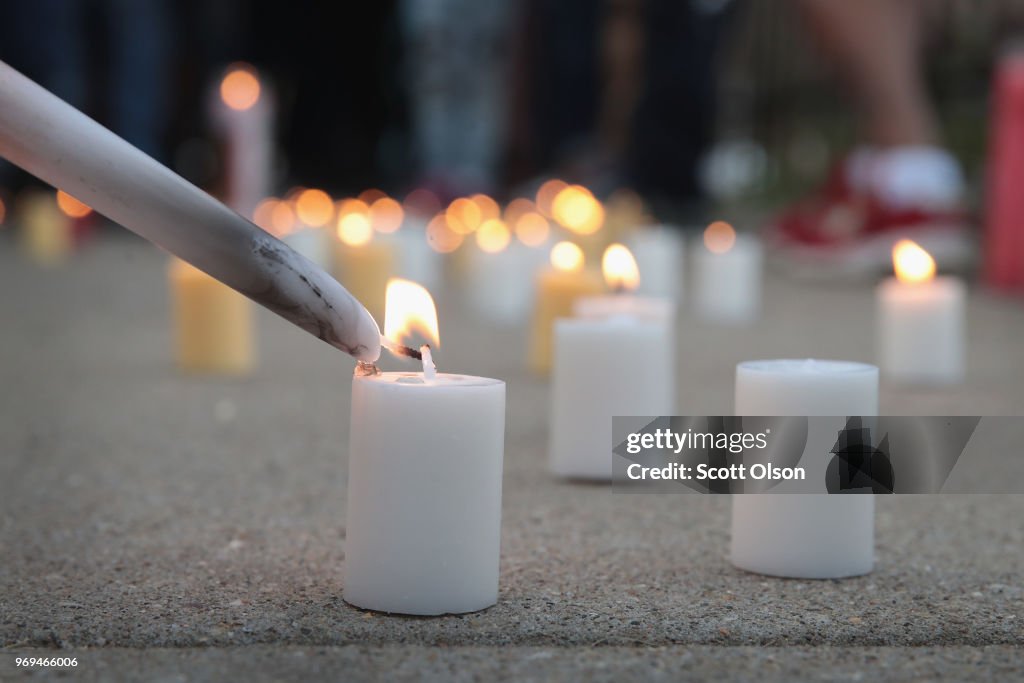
pixel 314 207
pixel 71 206
pixel 577 209
pixel 441 237
pixel 567 257
pixel 240 88
pixel 719 237
pixel 463 215
pixel 488 207
pixel 532 229
pixel 493 236
pixel 546 195
pixel 355 229
pixel 386 215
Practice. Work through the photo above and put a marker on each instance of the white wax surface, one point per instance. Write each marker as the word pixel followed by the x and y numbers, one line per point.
pixel 727 287
pixel 311 243
pixel 605 367
pixel 814 536
pixel 499 287
pixel 660 255
pixel 921 330
pixel 642 307
pixel 423 525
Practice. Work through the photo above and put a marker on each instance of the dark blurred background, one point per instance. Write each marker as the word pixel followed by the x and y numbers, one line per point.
pixel 682 101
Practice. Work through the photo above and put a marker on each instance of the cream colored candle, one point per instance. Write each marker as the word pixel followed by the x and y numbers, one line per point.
pixel 363 264
pixel 45 230
pixel 213 324
pixel 556 291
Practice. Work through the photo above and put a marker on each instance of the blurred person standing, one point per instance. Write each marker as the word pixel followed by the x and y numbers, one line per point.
pixel 899 181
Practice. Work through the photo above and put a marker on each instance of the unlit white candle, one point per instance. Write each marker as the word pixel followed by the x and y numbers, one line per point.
pixel 810 536
pixel 921 330
pixel 423 525
pixel 728 285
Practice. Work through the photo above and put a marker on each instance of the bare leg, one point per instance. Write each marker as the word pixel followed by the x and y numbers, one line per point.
pixel 875 44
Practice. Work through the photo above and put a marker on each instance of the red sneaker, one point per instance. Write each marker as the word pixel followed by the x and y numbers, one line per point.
pixel 841 232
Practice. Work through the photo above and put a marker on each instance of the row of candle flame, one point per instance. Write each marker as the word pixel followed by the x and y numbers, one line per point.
pixel 571 206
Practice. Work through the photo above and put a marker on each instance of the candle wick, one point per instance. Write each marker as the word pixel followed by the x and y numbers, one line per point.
pixel 619 289
pixel 429 369
pixel 400 349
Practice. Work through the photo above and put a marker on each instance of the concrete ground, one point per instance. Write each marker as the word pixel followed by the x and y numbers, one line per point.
pixel 161 526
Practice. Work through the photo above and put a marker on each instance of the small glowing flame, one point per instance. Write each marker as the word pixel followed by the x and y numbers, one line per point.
pixel 620 269
pixel 546 195
pixel 567 257
pixel 240 88
pixel 355 229
pixel 71 206
pixel 314 208
pixel 464 216
pixel 441 237
pixel 409 308
pixel 577 209
pixel 719 237
pixel 913 265
pixel 493 236
pixel 532 229
pixel 386 215
pixel 371 195
pixel 488 207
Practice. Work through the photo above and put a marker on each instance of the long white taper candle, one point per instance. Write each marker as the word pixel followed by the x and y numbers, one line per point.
pixel 57 143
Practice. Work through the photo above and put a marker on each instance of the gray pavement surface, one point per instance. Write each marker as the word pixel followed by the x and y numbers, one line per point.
pixel 160 525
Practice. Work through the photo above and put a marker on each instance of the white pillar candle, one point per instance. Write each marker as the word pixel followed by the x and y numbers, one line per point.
pixel 660 254
pixel 245 113
pixel 499 286
pixel 423 524
pixel 921 321
pixel 810 536
pixel 727 274
pixel 618 360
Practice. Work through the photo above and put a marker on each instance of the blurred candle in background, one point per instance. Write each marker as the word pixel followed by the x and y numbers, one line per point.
pixel 499 285
pixel 661 255
pixel 44 229
pixel 556 289
pixel 213 324
pixel 619 360
pixel 244 115
pixel 362 263
pixel 806 536
pixel 727 274
pixel 921 320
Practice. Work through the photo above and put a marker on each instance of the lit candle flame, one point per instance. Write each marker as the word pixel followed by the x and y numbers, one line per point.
pixel 240 88
pixel 355 229
pixel 620 269
pixel 493 236
pixel 386 215
pixel 532 229
pixel 913 265
pixel 314 207
pixel 567 257
pixel 71 207
pixel 719 237
pixel 441 237
pixel 546 194
pixel 409 308
pixel 464 216
pixel 577 209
